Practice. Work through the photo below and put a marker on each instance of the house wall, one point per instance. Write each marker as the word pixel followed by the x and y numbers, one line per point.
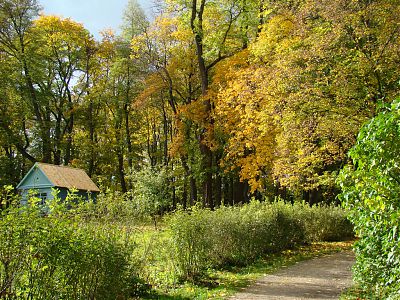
pixel 35 183
pixel 83 194
pixel 62 194
pixel 25 193
pixel 35 180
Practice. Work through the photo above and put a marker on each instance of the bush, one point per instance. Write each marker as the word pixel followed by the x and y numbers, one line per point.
pixel 149 199
pixel 112 207
pixel 152 191
pixel 58 257
pixel 228 236
pixel 191 241
pixel 371 189
pixel 323 222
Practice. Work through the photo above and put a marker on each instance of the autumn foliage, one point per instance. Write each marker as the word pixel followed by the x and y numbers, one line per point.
pixel 232 98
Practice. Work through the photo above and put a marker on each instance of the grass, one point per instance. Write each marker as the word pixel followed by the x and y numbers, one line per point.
pixel 355 293
pixel 222 284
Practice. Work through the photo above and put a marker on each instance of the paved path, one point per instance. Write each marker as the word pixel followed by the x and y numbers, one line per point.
pixel 318 279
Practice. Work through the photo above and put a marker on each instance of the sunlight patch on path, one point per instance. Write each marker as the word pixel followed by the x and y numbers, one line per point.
pixel 318 279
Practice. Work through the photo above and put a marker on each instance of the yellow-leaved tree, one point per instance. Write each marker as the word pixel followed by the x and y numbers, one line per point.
pixel 293 106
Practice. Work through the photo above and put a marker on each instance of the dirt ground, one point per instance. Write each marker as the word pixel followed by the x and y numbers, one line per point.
pixel 318 279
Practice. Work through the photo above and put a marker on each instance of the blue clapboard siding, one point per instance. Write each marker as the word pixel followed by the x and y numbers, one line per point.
pixel 32 191
pixel 35 179
pixel 82 194
pixel 35 182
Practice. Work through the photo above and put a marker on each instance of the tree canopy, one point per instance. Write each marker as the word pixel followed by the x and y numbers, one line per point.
pixel 228 99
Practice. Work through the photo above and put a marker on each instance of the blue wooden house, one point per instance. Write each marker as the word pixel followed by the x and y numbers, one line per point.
pixel 43 178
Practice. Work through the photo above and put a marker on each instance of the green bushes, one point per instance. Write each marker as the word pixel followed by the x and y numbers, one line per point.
pixel 147 201
pixel 238 235
pixel 91 251
pixel 112 207
pixel 371 192
pixel 58 257
pixel 323 223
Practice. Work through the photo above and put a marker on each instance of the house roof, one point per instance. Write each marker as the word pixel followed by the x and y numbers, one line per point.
pixel 68 177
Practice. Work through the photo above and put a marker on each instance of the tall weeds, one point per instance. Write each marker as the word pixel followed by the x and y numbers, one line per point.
pixel 202 239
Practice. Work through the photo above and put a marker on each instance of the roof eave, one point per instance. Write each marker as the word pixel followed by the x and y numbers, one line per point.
pixel 29 172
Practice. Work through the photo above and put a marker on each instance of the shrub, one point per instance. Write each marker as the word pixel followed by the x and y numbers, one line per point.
pixel 152 191
pixel 201 238
pixel 323 222
pixel 112 206
pixel 191 241
pixel 370 192
pixel 149 199
pixel 58 257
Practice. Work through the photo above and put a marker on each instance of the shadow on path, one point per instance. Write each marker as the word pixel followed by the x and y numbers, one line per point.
pixel 319 279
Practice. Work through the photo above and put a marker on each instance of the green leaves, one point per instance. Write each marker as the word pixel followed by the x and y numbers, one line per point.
pixel 370 191
pixel 234 236
pixel 61 257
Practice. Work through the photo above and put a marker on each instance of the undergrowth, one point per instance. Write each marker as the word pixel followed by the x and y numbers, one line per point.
pixel 78 250
pixel 220 284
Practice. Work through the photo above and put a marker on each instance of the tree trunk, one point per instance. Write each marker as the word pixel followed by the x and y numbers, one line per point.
pixel 68 148
pixel 91 138
pixel 240 192
pixel 207 182
pixel 192 181
pixel 173 179
pixel 46 141
pixel 165 128
pixel 218 190
pixel 126 116
pixel 90 117
pixel 231 191
pixel 42 119
pixel 218 181
pixel 121 171
pixel 193 191
pixel 184 192
pixel 196 23
pixel 16 142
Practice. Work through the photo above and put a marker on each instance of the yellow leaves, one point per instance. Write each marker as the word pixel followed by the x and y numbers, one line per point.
pixel 195 111
pixel 227 70
pixel 173 29
pixel 280 111
pixel 276 36
pixel 60 42
pixel 177 148
pixel 106 49
pixel 58 32
pixel 166 32
pixel 137 45
pixel 250 171
pixel 244 112
pixel 153 85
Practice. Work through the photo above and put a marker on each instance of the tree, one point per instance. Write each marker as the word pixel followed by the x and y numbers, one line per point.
pixel 336 88
pixel 134 20
pixel 245 115
pixel 310 85
pixel 218 32
pixel 58 48
pixel 48 56
pixel 171 87
pixel 110 145
pixel 16 18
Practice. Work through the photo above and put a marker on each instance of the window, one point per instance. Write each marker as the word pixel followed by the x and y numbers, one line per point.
pixel 42 197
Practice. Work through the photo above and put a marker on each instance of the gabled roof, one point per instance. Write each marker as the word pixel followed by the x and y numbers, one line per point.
pixel 67 177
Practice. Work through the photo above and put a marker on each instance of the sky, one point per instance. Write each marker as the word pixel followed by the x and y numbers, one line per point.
pixel 96 15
